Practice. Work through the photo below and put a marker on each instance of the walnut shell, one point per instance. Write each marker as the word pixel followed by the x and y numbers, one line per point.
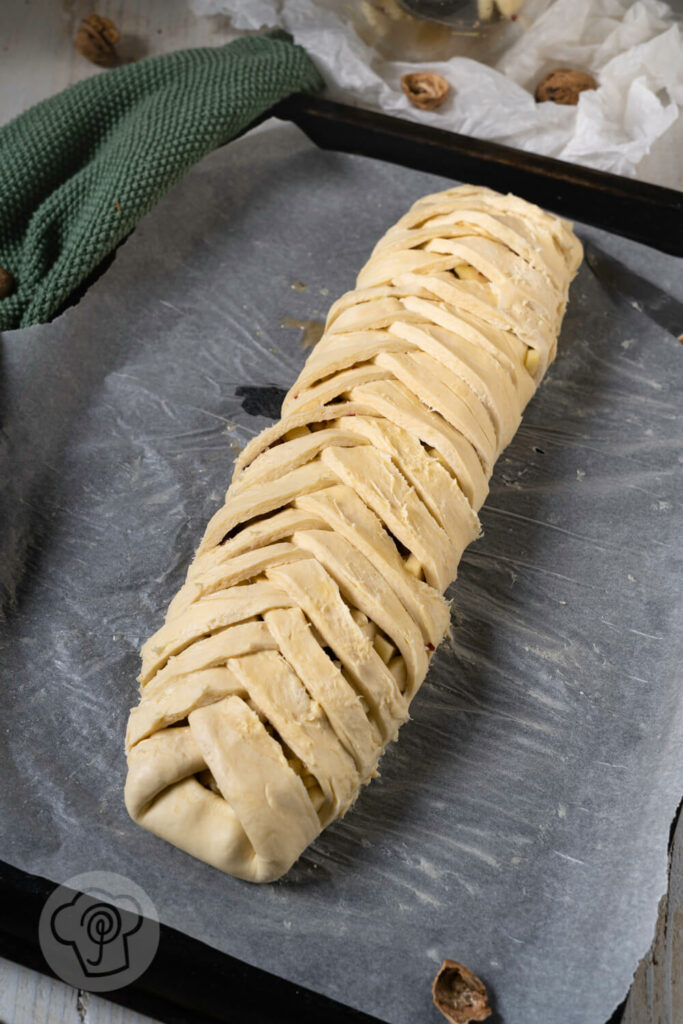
pixel 459 994
pixel 425 89
pixel 564 86
pixel 6 283
pixel 96 39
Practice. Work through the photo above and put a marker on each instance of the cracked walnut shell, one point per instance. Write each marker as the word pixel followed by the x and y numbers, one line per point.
pixel 459 994
pixel 425 89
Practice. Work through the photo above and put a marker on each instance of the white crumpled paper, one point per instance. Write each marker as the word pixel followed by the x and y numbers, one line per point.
pixel 634 50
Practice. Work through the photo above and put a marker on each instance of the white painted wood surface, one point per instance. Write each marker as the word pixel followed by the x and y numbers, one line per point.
pixel 37 59
pixel 30 998
pixel 656 995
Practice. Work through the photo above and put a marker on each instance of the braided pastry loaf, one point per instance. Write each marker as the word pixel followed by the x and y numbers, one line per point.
pixel 288 660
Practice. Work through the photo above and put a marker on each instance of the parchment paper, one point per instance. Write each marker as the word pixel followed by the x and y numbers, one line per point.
pixel 520 825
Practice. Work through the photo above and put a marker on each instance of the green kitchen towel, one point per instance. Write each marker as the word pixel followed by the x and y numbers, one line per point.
pixel 78 170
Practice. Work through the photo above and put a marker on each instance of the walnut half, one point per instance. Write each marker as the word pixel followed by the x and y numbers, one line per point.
pixel 425 89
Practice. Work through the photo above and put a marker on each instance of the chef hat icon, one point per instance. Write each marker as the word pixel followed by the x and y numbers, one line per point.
pixel 97 926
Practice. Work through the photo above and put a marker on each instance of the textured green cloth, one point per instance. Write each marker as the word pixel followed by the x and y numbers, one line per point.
pixel 77 171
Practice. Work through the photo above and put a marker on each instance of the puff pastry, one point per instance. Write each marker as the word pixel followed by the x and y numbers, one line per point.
pixel 288 660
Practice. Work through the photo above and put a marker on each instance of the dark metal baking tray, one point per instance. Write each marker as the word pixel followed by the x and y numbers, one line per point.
pixel 624 206
pixel 189 981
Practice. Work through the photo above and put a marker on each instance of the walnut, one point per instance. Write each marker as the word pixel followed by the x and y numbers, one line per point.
pixel 459 994
pixel 96 39
pixel 425 89
pixel 563 86
pixel 6 283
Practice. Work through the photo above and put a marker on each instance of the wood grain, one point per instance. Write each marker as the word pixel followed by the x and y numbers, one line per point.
pixel 38 58
pixel 30 998
pixel 656 996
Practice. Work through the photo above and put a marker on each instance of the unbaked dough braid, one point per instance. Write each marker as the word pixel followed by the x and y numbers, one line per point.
pixel 288 660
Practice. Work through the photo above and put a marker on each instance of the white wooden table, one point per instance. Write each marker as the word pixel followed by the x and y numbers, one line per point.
pixel 37 59
pixel 27 997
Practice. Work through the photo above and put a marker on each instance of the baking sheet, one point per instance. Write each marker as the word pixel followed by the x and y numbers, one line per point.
pixel 520 825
